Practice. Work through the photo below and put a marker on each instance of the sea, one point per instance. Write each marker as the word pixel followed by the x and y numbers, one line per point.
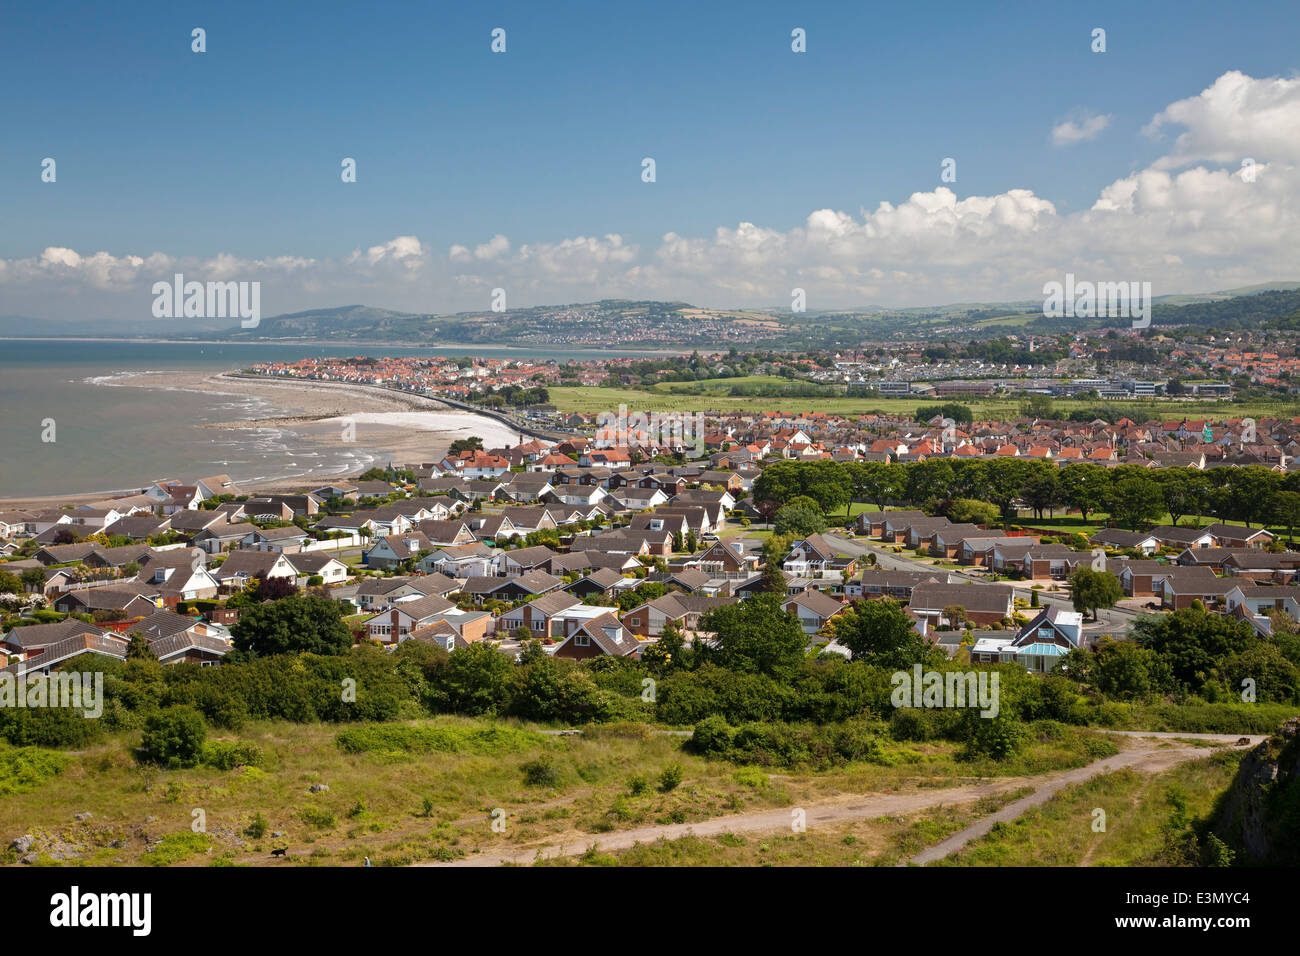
pixel 109 437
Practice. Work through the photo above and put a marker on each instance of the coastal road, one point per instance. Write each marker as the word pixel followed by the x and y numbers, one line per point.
pixel 1146 753
pixel 1115 620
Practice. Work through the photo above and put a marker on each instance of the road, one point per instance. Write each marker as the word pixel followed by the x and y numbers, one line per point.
pixel 1109 621
pixel 1148 753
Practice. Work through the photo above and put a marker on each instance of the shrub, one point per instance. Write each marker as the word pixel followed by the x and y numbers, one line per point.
pixel 256 829
pixel 318 817
pixel 671 777
pixel 541 772
pixel 173 737
pixel 26 769
pixel 712 735
pixel 227 755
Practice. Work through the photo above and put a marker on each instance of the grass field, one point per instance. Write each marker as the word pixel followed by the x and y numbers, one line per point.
pixel 662 398
pixel 1139 809
pixel 400 804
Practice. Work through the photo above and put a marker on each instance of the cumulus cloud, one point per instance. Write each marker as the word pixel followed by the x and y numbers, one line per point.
pixel 1236 117
pixel 1192 220
pixel 1081 130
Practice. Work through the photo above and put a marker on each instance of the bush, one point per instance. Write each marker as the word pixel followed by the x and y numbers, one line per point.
pixel 671 777
pixel 174 736
pixel 541 772
pixel 317 817
pixel 227 755
pixel 712 735
pixel 256 829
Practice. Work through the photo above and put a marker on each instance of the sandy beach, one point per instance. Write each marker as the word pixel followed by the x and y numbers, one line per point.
pixel 373 423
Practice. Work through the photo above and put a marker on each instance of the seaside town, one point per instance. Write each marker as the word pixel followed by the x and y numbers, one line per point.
pixel 596 542
pixel 552 438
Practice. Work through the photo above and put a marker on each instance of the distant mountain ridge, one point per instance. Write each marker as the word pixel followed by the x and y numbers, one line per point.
pixel 653 324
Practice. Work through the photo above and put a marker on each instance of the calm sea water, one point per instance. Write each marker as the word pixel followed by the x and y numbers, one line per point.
pixel 114 437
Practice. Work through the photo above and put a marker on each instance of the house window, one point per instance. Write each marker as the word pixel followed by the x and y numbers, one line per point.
pixel 581 640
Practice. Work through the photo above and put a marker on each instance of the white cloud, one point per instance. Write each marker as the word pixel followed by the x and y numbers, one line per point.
pixel 1190 221
pixel 1087 127
pixel 1236 117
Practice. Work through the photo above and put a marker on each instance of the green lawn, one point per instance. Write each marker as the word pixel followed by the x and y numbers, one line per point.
pixel 661 398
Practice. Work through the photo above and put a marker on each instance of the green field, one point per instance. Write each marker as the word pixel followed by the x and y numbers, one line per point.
pixel 405 792
pixel 591 400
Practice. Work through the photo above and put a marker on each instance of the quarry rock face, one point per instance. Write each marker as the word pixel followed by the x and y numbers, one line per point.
pixel 1263 805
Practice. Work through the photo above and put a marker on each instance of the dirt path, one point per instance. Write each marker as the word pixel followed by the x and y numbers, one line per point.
pixel 1147 756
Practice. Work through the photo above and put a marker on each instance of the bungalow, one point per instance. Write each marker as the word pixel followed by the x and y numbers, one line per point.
pixel 1143 541
pixel 286 540
pixel 553 615
pixel 1141 578
pixel 1183 586
pixel 405 615
pixel 1171 536
pixel 461 561
pixel 1051 562
pixel 873 523
pixel 682 610
pixel 1261 599
pixel 446 534
pixel 393 550
pixel 511 563
pixel 947 539
pixel 879 583
pixel 725 557
pixel 1040 644
pixel 603 635
pixel 1233 536
pixel 600 581
pixel 814 609
pixel 134 600
pixel 379 593
pixel 510 589
pixel 983 603
pixel 311 564
pixel 243 566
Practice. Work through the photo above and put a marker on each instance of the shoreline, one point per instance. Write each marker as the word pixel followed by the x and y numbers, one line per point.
pixel 325 417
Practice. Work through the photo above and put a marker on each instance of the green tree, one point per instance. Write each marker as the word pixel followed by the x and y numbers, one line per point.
pixel 1136 501
pixel 799 521
pixel 755 636
pixel 1193 642
pixel 774 551
pixel 1090 590
pixel 301 624
pixel 973 511
pixel 478 680
pixel 880 633
pixel 1086 487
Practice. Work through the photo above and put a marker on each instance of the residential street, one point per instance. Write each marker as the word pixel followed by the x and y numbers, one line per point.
pixel 1110 621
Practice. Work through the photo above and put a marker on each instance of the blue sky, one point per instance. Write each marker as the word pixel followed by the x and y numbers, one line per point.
pixel 236 151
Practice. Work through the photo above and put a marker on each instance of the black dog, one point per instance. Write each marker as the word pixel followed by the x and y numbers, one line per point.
pixel 280 852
